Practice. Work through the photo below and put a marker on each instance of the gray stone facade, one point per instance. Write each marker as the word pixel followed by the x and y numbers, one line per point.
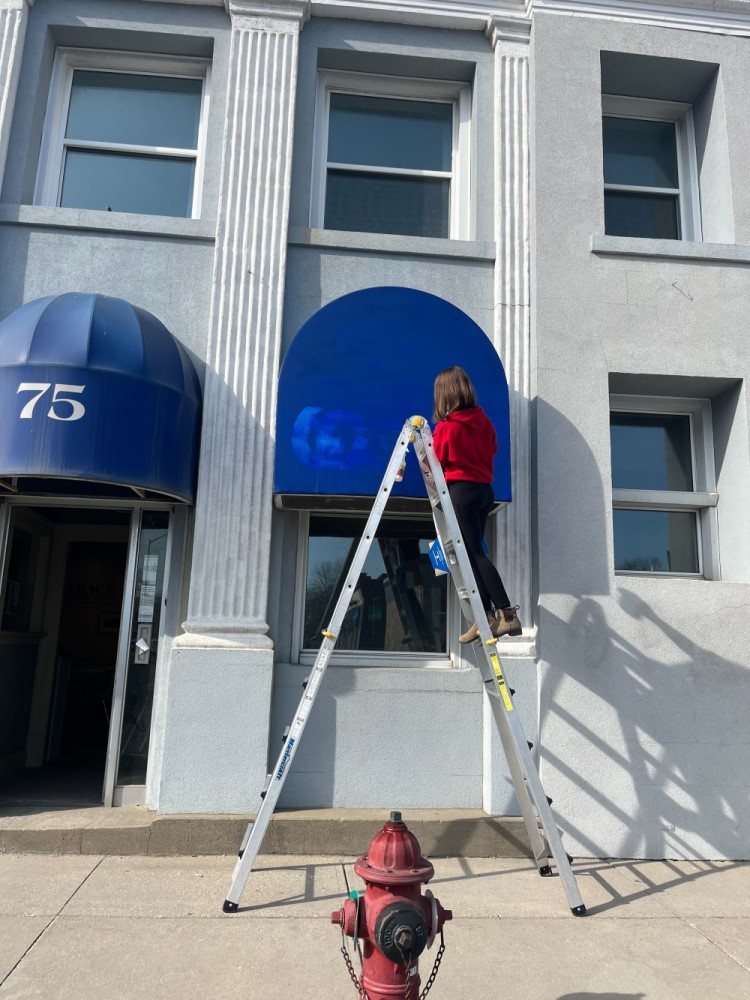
pixel 635 688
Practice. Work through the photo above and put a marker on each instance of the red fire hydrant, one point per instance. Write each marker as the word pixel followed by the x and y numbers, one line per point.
pixel 394 919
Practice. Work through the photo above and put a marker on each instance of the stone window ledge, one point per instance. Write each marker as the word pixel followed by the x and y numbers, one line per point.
pixel 123 223
pixel 627 246
pixel 418 246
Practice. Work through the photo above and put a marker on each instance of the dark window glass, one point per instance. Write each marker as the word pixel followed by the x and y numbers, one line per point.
pixel 124 182
pixel 652 216
pixel 398 605
pixel 641 153
pixel 656 541
pixel 19 585
pixel 141 677
pixel 135 109
pixel 651 451
pixel 374 203
pixel 384 132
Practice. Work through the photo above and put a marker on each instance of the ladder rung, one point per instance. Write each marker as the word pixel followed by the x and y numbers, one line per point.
pixel 269 778
pixel 306 681
pixel 285 734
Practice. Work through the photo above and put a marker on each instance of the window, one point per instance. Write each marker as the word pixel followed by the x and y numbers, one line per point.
pixel 663 486
pixel 399 604
pixel 650 169
pixel 123 133
pixel 391 156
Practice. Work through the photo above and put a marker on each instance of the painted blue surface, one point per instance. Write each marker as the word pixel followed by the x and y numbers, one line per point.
pixel 437 557
pixel 122 400
pixel 357 370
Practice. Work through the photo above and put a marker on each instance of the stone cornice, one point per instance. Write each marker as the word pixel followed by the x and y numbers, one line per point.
pixel 456 14
pixel 276 10
pixel 723 17
pixel 508 29
pixel 15 4
pixel 501 19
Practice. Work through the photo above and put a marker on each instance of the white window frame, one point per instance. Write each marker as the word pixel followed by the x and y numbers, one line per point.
pixel 702 499
pixel 67 61
pixel 354 658
pixel 688 192
pixel 407 89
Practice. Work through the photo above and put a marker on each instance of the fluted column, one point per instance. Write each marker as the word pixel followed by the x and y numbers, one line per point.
pixel 510 39
pixel 13 17
pixel 229 577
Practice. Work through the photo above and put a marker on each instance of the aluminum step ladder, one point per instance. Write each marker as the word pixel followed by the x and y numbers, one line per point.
pixel 540 825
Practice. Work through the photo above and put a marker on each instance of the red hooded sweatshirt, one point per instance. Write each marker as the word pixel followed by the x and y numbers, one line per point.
pixel 465 443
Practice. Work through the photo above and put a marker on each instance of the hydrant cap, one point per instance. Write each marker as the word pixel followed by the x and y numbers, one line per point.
pixel 394 857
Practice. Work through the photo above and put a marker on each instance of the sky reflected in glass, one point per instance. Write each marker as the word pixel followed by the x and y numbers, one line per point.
pixel 651 451
pixel 134 109
pixel 128 183
pixel 384 132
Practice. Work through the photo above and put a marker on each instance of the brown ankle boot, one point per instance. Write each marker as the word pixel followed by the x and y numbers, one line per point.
pixel 473 633
pixel 508 622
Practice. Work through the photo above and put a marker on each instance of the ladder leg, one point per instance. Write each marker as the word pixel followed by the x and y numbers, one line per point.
pixel 525 775
pixel 257 829
pixel 526 781
pixel 539 846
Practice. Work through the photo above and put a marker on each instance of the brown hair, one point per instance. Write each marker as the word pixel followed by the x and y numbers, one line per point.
pixel 453 391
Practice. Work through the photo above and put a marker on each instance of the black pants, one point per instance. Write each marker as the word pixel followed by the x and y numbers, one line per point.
pixel 472 503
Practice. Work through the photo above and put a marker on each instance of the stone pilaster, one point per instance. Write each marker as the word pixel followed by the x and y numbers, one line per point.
pixel 510 39
pixel 13 17
pixel 229 579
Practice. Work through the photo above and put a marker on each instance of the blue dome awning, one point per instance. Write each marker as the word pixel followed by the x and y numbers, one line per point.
pixel 95 390
pixel 356 371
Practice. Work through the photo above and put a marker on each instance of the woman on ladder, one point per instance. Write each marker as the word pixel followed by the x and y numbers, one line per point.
pixel 465 444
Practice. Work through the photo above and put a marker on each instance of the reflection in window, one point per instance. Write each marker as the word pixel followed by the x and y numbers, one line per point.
pixel 656 541
pixel 129 143
pixel 651 451
pixel 398 605
pixel 389 165
pixel 655 482
pixel 645 190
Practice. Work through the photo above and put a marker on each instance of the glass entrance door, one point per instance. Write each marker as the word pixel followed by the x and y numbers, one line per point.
pixel 135 679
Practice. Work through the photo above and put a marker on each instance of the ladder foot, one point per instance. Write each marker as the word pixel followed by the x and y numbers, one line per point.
pixel 230 907
pixel 545 871
pixel 578 911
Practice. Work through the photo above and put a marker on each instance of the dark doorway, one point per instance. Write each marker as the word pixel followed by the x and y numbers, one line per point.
pixel 74 576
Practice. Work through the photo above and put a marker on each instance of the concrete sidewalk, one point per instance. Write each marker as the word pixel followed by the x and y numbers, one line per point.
pixel 78 927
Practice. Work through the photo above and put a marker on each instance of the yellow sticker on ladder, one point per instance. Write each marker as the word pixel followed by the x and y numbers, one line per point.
pixel 501 683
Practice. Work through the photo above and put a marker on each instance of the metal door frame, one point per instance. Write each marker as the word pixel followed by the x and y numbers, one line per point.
pixel 111 791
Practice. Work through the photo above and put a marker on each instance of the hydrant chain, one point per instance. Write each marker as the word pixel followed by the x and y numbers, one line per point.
pixel 428 985
pixel 345 952
pixel 433 975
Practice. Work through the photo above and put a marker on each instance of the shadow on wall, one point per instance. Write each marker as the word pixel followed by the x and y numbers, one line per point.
pixel 641 725
pixel 568 507
pixel 651 762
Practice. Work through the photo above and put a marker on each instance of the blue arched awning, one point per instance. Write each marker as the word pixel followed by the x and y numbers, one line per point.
pixel 356 371
pixel 94 389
